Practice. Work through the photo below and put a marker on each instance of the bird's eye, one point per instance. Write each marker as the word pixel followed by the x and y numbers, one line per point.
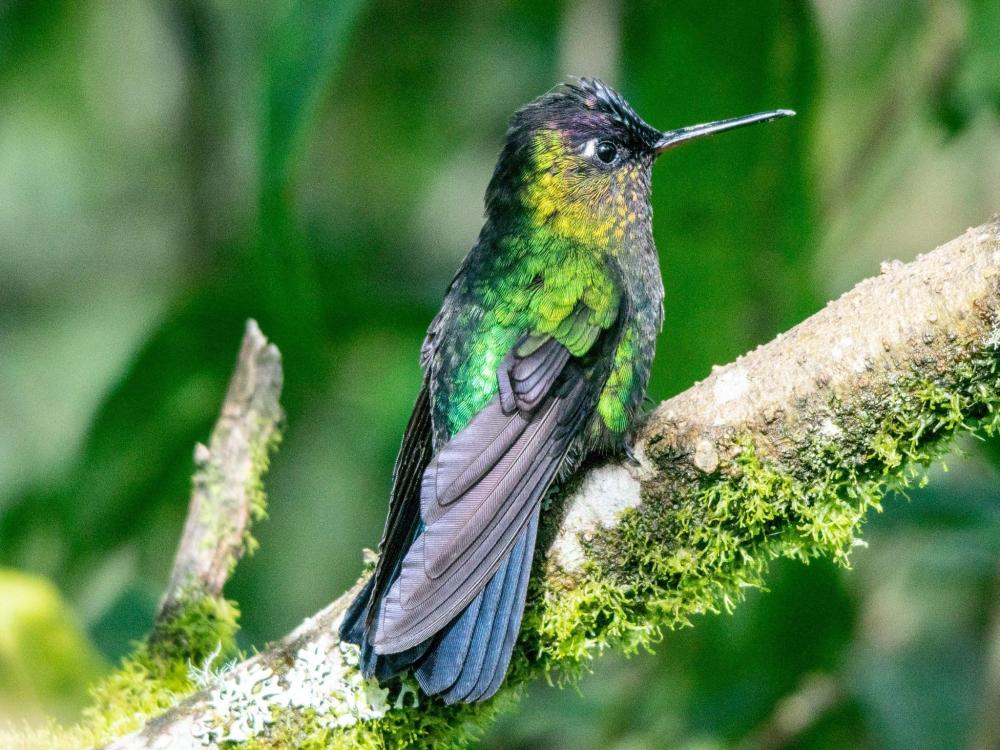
pixel 607 151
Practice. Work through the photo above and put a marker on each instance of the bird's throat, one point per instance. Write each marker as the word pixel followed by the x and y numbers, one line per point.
pixel 593 210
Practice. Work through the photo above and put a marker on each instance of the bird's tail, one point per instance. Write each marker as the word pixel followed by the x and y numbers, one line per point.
pixel 467 660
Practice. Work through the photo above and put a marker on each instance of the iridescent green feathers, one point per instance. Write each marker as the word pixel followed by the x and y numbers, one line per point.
pixel 566 293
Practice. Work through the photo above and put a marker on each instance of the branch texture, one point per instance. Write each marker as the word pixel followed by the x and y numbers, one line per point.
pixel 227 493
pixel 780 453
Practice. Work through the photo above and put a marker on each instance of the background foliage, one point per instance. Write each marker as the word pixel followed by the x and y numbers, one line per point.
pixel 168 169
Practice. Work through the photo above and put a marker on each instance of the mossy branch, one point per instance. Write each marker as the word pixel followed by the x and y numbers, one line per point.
pixel 780 453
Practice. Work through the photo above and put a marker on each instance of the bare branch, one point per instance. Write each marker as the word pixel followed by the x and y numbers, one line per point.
pixel 779 453
pixel 225 496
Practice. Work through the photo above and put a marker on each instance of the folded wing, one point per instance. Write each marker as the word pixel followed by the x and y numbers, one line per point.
pixel 483 489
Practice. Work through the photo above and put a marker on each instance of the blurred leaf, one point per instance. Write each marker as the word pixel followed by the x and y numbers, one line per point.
pixel 970 82
pixel 132 612
pixel 920 698
pixel 981 80
pixel 133 471
pixel 46 662
pixel 742 665
pixel 24 24
pixel 309 45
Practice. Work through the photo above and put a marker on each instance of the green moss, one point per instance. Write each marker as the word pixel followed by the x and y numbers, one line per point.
pixel 217 514
pixel 696 545
pixel 157 674
pixel 260 463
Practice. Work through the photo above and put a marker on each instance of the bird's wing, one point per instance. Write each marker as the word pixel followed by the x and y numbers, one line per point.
pixel 404 502
pixel 482 487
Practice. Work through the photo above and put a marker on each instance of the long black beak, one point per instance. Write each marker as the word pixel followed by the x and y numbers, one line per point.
pixel 676 137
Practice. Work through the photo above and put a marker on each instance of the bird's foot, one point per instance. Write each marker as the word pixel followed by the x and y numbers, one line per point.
pixel 628 447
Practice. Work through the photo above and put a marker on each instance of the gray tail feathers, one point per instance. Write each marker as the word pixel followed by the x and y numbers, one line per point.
pixel 352 630
pixel 468 659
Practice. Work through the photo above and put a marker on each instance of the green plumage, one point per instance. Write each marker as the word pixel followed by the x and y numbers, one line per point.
pixel 535 285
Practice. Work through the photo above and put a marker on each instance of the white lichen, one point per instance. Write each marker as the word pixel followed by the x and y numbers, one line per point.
pixel 603 495
pixel 240 706
pixel 841 347
pixel 328 681
pixel 731 385
pixel 993 339
pixel 829 429
pixel 706 458
pixel 847 346
pixel 408 686
pixel 324 677
pixel 206 674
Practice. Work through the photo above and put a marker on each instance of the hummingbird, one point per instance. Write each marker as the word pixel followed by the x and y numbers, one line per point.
pixel 539 357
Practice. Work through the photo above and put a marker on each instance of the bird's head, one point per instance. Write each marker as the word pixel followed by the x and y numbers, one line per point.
pixel 577 163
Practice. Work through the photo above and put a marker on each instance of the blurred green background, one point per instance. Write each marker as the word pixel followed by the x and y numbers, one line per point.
pixel 168 169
